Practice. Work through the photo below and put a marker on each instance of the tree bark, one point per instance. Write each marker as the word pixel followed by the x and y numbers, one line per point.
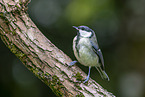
pixel 40 56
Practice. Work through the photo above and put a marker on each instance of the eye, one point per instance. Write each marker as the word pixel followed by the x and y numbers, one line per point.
pixel 83 28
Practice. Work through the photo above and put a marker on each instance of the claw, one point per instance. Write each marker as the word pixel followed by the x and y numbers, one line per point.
pixel 72 63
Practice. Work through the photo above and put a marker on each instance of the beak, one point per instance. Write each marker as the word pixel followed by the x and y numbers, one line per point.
pixel 75 27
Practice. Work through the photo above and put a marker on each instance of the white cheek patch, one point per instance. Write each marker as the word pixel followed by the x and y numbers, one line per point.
pixel 85 33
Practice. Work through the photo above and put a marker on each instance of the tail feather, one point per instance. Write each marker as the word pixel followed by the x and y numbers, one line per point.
pixel 103 73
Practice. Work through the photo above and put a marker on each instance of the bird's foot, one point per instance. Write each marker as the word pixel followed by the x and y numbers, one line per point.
pixel 86 79
pixel 72 63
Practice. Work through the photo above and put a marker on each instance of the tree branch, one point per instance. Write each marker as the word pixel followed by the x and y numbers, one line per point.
pixel 40 56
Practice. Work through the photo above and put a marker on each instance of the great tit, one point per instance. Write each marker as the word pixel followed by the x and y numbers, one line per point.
pixel 87 51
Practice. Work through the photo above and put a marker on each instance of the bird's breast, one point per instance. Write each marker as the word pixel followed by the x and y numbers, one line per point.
pixel 84 53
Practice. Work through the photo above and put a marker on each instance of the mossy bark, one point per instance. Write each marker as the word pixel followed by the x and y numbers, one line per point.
pixel 40 56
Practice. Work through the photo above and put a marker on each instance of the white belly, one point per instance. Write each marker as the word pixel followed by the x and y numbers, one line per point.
pixel 86 55
pixel 87 58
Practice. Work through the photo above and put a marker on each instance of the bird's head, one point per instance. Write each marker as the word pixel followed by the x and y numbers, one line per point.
pixel 84 31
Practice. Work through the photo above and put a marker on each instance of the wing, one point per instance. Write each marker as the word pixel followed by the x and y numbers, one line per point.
pixel 97 50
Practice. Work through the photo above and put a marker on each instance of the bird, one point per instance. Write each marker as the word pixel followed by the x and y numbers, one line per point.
pixel 87 51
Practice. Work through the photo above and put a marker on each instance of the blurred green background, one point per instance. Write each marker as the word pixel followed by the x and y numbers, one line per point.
pixel 120 29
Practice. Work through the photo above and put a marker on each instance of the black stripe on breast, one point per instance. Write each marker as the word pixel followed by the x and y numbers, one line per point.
pixel 77 41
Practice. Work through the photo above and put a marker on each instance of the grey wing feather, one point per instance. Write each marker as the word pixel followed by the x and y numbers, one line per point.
pixel 99 53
